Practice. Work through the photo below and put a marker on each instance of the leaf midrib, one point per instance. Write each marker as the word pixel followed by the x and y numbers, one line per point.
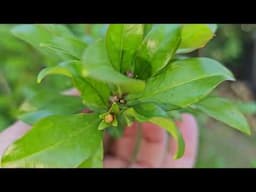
pixel 97 92
pixel 181 84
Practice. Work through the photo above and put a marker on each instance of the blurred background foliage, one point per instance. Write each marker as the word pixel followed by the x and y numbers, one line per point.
pixel 220 146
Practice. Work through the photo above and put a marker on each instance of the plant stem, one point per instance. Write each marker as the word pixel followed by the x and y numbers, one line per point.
pixel 5 85
pixel 119 91
pixel 137 143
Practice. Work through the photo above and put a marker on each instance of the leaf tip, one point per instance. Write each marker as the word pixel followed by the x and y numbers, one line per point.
pixel 247 131
pixel 39 80
pixel 40 77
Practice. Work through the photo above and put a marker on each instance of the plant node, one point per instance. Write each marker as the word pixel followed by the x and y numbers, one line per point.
pixel 129 74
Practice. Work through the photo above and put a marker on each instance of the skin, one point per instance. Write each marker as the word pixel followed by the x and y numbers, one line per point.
pixel 155 151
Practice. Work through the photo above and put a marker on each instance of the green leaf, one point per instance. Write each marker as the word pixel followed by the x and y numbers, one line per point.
pixel 147 28
pixel 97 66
pixel 195 36
pixel 171 128
pixel 44 104
pixel 56 141
pixel 96 160
pixel 58 70
pixel 56 38
pixel 246 107
pixel 70 68
pixel 103 125
pixel 184 82
pixel 122 41
pixel 95 94
pixel 33 34
pixel 224 111
pixel 188 93
pixel 150 110
pixel 57 29
pixel 158 48
pixel 66 47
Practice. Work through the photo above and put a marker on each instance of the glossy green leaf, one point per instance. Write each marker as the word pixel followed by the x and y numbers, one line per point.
pixel 122 41
pixel 224 111
pixel 195 36
pixel 56 141
pixel 158 48
pixel 150 110
pixel 44 104
pixel 95 94
pixel 184 82
pixel 97 66
pixel 188 93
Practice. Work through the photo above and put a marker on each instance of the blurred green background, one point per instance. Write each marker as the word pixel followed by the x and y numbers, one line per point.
pixel 234 45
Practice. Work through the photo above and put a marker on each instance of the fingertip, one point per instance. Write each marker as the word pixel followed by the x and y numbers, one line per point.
pixel 131 130
pixel 113 162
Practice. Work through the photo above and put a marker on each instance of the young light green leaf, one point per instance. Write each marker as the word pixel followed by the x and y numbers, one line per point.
pixel 67 68
pixel 184 82
pixel 224 111
pixel 57 70
pixel 94 94
pixel 158 48
pixel 195 36
pixel 96 65
pixel 122 41
pixel 171 128
pixel 59 141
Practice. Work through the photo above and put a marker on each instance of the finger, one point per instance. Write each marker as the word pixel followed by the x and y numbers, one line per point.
pixel 106 142
pixel 152 148
pixel 189 130
pixel 114 162
pixel 123 147
pixel 11 134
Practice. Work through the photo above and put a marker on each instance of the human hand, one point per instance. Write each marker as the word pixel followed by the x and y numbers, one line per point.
pixel 153 151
